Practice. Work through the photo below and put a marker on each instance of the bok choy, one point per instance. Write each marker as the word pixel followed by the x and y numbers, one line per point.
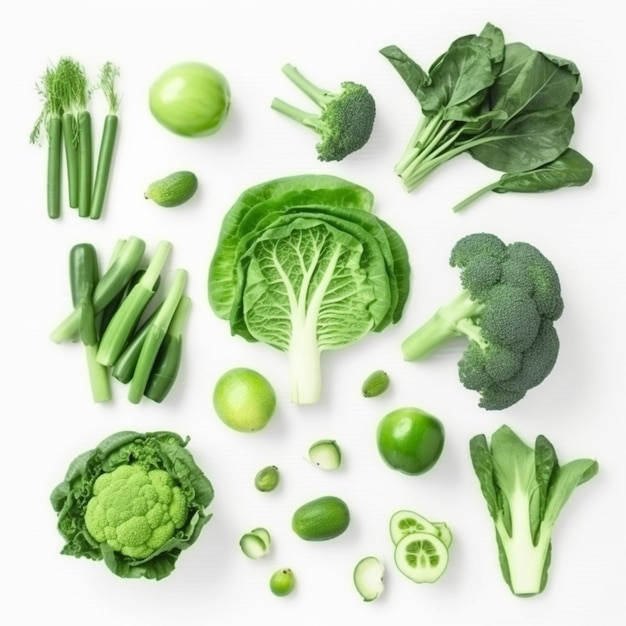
pixel 525 489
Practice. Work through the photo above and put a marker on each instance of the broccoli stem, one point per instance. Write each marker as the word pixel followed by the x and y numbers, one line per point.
pixel 451 320
pixel 321 97
pixel 303 117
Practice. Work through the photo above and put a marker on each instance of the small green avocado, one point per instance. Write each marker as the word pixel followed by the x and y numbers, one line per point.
pixel 173 190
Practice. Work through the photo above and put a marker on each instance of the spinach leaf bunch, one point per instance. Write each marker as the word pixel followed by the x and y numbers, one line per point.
pixel 507 105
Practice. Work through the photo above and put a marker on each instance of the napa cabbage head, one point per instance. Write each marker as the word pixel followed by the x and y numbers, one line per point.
pixel 303 265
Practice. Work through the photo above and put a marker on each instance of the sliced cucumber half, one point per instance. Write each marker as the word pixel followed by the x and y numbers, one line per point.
pixel 254 544
pixel 368 578
pixel 405 522
pixel 325 454
pixel 263 534
pixel 421 556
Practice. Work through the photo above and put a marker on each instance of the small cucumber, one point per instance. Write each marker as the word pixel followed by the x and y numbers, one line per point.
pixel 173 190
pixel 321 519
pixel 375 384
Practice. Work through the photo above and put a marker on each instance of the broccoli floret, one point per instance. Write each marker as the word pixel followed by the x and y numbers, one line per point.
pixel 510 297
pixel 344 122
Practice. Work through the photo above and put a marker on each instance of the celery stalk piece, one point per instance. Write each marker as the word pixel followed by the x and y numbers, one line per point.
pixel 154 338
pixel 110 284
pixel 126 318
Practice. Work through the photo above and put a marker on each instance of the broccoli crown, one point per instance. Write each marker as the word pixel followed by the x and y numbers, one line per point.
pixel 344 121
pixel 134 510
pixel 510 299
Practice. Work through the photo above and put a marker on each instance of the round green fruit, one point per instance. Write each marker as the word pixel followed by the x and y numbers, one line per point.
pixel 410 440
pixel 244 399
pixel 190 99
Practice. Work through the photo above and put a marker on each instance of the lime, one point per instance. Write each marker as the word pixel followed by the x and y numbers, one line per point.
pixel 282 582
pixel 410 440
pixel 244 399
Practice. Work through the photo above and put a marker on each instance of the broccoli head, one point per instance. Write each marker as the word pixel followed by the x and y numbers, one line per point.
pixel 344 121
pixel 510 298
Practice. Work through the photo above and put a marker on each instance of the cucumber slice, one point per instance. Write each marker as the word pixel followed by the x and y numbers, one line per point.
pixel 325 454
pixel 263 534
pixel 406 522
pixel 253 546
pixel 368 578
pixel 444 533
pixel 421 556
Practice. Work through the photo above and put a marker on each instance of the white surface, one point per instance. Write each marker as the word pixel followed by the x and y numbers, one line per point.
pixel 48 416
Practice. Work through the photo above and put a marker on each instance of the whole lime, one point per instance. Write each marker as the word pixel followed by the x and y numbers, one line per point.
pixel 244 399
pixel 410 440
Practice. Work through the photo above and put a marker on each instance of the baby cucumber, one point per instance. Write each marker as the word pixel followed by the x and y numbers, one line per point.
pixel 173 190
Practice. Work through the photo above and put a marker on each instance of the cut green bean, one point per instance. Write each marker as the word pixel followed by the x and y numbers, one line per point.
pixel 127 317
pixel 49 89
pixel 167 364
pixel 107 143
pixel 55 149
pixel 70 143
pixel 154 338
pixel 110 284
pixel 85 163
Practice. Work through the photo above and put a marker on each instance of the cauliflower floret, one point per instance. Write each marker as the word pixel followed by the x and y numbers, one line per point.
pixel 134 510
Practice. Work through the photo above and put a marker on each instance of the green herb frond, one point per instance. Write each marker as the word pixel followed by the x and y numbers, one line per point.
pixel 109 73
pixel 75 90
pixel 49 90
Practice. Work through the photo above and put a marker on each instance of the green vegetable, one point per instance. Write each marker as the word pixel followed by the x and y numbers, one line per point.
pixel 282 582
pixel 410 440
pixel 510 299
pixel 505 104
pixel 50 119
pixel 421 547
pixel 244 399
pixel 570 169
pixel 422 557
pixel 191 99
pixel 368 578
pixel 405 522
pixel 169 357
pixel 135 501
pixel 111 283
pixel 108 76
pixel 321 519
pixel 155 337
pixel 84 275
pixel 375 384
pixel 255 544
pixel 525 489
pixel 127 316
pixel 173 190
pixel 303 265
pixel 325 454
pixel 344 122
pixel 267 479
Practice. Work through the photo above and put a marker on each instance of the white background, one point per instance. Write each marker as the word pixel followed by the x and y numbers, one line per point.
pixel 48 417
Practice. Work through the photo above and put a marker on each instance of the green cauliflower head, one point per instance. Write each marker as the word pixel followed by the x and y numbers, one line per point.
pixel 134 510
